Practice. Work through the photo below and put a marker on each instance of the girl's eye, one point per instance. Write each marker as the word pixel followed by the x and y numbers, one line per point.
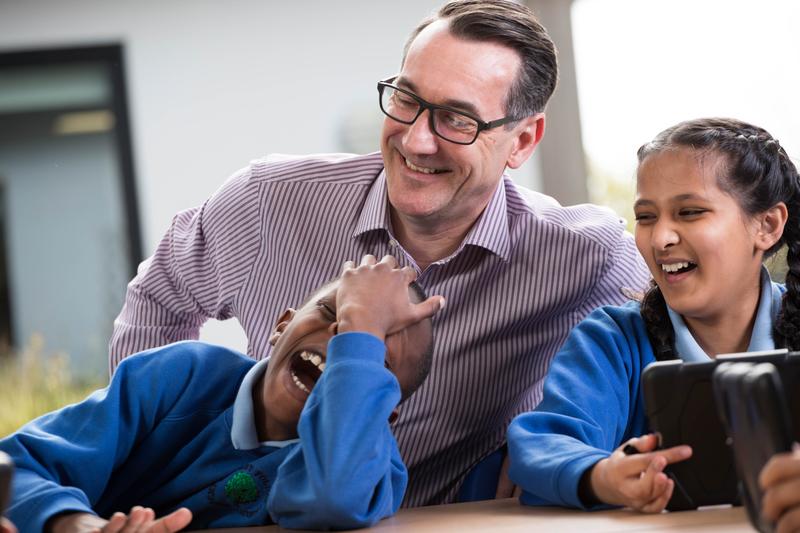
pixel 644 217
pixel 691 212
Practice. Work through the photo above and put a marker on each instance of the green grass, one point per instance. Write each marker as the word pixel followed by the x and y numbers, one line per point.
pixel 33 383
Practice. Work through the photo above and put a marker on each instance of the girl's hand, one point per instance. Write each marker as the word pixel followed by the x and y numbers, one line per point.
pixel 6 526
pixel 637 480
pixel 139 520
pixel 780 480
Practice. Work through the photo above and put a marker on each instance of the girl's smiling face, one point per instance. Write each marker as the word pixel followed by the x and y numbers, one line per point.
pixel 703 250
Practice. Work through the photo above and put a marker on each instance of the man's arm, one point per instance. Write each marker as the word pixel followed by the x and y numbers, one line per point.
pixel 195 274
pixel 624 270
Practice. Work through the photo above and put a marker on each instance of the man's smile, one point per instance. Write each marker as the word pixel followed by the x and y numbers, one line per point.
pixel 424 170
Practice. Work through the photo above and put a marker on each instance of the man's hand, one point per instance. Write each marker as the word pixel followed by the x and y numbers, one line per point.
pixel 139 520
pixel 780 479
pixel 373 298
pixel 637 480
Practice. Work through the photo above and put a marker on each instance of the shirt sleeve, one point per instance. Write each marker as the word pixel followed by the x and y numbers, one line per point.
pixel 624 269
pixel 195 273
pixel 590 405
pixel 347 471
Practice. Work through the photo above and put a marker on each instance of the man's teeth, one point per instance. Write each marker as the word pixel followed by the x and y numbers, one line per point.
pixel 674 267
pixel 315 359
pixel 299 383
pixel 424 170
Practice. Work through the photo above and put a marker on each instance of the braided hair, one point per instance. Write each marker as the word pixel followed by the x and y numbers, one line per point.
pixel 758 174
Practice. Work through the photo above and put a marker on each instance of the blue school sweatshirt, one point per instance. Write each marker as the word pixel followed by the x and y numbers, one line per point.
pixel 160 436
pixel 592 401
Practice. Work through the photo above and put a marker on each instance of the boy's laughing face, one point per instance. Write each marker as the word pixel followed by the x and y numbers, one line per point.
pixel 300 345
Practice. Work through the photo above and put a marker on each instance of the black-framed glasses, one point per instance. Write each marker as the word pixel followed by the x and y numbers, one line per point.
pixel 448 123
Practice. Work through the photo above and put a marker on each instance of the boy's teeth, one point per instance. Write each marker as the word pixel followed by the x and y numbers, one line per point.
pixel 674 267
pixel 424 170
pixel 299 383
pixel 315 359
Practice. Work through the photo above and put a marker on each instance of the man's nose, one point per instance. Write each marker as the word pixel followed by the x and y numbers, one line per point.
pixel 419 137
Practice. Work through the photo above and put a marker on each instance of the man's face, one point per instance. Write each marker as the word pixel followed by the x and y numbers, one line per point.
pixel 430 179
pixel 300 352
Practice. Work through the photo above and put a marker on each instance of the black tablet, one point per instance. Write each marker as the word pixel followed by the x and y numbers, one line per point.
pixel 753 410
pixel 681 407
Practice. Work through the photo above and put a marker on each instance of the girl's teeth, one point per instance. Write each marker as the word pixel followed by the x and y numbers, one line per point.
pixel 674 267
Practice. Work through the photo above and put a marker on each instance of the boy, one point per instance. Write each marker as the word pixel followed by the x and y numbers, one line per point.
pixel 204 435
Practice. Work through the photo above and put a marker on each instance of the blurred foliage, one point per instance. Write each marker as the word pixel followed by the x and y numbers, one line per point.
pixel 618 192
pixel 613 191
pixel 33 383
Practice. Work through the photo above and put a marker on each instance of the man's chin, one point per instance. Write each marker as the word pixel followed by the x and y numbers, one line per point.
pixel 420 212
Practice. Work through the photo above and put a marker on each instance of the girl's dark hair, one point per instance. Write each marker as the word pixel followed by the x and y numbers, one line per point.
pixel 758 173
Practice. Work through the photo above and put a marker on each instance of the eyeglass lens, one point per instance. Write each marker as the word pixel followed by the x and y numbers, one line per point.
pixel 450 125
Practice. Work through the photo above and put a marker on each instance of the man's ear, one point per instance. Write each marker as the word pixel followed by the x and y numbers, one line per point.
pixel 529 133
pixel 281 324
pixel 770 226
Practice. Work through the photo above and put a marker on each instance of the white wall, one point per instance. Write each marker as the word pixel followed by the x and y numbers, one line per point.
pixel 213 84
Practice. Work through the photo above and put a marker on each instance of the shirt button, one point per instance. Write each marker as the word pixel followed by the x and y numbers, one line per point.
pixel 393 243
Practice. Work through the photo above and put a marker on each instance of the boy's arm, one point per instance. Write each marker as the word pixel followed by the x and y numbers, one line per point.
pixel 139 519
pixel 346 472
pixel 65 459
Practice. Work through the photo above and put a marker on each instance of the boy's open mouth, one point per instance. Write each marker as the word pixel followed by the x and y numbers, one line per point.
pixel 306 368
pixel 678 268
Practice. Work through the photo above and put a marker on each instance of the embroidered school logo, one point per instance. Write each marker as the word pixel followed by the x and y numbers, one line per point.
pixel 241 488
pixel 244 490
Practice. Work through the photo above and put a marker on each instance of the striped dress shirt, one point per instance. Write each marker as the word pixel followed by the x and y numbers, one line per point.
pixel 527 271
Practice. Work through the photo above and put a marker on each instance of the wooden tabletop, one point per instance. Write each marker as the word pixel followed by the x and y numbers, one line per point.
pixel 509 516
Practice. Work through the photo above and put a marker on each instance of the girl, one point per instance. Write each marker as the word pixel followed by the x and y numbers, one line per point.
pixel 715 197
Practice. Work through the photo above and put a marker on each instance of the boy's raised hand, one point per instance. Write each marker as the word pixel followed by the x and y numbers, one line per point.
pixel 637 480
pixel 373 297
pixel 138 520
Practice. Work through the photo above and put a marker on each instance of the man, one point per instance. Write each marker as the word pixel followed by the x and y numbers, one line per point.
pixel 517 269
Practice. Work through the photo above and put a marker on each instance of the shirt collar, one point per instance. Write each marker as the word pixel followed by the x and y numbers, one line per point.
pixel 490 231
pixel 244 435
pixel 769 303
pixel 375 213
